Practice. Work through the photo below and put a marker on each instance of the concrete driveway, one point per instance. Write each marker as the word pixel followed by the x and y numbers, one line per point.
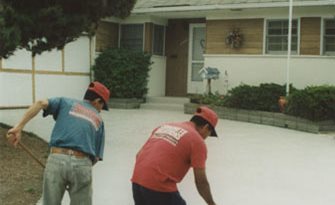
pixel 248 164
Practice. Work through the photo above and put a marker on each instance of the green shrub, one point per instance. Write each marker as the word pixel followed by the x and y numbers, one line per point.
pixel 268 96
pixel 315 103
pixel 124 72
pixel 263 97
pixel 243 97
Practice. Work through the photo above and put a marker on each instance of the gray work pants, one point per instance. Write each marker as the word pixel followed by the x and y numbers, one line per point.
pixel 67 172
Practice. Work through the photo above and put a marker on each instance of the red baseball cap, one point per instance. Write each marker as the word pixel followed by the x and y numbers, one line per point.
pixel 100 90
pixel 210 116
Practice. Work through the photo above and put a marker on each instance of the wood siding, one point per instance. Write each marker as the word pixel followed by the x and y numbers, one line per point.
pixel 107 36
pixel 218 30
pixel 310 36
pixel 176 49
pixel 148 37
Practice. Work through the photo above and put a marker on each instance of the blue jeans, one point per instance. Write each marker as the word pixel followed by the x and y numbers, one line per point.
pixel 67 172
pixel 144 196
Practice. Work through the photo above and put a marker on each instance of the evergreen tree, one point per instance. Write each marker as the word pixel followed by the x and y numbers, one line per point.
pixel 41 25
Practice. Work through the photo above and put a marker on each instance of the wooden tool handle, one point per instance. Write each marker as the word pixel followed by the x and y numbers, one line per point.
pixel 26 149
pixel 31 154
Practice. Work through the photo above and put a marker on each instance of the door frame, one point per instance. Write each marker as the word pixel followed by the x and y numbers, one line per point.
pixel 193 86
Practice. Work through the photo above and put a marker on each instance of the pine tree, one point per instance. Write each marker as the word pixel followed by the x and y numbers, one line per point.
pixel 42 25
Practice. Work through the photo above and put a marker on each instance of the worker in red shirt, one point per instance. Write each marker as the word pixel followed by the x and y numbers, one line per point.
pixel 166 157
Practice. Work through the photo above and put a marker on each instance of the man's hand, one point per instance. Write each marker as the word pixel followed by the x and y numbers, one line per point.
pixel 14 136
pixel 203 185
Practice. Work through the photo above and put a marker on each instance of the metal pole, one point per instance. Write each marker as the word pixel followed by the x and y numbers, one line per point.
pixel 289 48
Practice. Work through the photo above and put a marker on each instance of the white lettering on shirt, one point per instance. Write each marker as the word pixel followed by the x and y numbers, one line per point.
pixel 170 134
pixel 86 114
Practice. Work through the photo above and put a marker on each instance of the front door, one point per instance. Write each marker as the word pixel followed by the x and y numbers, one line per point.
pixel 196 58
pixel 176 48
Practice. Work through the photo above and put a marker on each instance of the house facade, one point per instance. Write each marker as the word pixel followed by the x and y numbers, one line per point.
pixel 245 40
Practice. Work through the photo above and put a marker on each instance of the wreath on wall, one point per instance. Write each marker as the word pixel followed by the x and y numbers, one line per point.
pixel 234 39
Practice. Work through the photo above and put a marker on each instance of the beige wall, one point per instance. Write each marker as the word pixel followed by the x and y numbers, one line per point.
pixel 148 35
pixel 107 36
pixel 218 30
pixel 310 36
pixel 252 31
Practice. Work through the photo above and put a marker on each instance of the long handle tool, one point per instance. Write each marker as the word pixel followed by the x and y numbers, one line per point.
pixel 26 149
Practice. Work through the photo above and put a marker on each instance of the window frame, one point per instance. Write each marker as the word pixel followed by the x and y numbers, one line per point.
pixel 125 24
pixel 283 52
pixel 323 34
pixel 153 40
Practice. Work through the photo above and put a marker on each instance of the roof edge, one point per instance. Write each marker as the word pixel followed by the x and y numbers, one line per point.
pixel 231 6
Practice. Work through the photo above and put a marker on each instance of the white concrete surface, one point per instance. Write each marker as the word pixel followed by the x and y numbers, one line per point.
pixel 248 164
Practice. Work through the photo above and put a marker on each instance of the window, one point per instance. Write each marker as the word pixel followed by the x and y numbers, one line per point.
pixel 198 47
pixel 329 36
pixel 158 40
pixel 277 34
pixel 131 36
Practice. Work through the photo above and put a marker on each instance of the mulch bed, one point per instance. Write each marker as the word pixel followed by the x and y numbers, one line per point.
pixel 20 176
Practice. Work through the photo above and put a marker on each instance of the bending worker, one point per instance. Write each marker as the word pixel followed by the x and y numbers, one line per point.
pixel 166 157
pixel 77 143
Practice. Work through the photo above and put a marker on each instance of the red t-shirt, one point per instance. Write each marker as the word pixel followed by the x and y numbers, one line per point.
pixel 168 154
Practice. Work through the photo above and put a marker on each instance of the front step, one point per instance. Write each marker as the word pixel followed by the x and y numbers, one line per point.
pixel 165 103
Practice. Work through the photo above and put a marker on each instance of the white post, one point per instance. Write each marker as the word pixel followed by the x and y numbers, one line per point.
pixel 289 48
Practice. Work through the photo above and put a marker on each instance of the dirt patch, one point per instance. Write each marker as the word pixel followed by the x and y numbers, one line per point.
pixel 20 176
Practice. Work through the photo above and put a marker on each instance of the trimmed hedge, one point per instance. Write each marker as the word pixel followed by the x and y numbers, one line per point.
pixel 264 97
pixel 124 72
pixel 315 103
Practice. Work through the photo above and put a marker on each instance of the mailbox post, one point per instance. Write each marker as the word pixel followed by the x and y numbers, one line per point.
pixel 209 73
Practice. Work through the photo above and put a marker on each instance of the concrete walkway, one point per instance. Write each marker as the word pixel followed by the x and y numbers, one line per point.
pixel 248 164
